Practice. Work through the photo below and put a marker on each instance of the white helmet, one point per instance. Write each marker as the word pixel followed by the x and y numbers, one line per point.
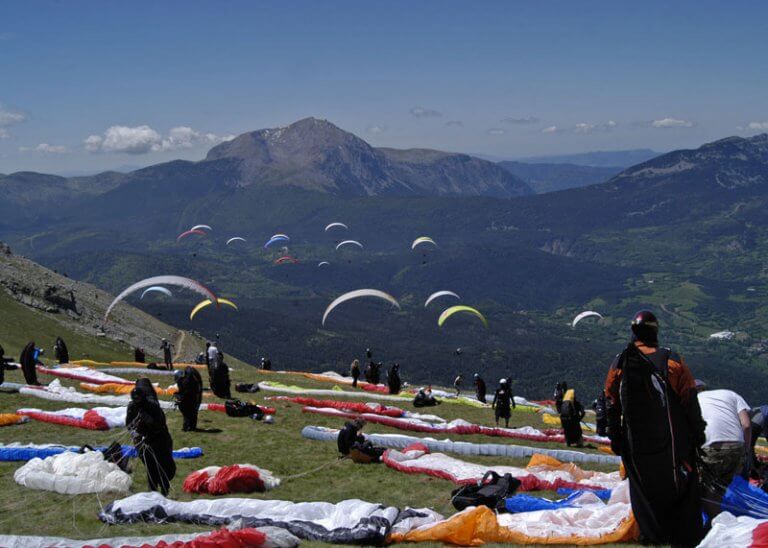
pixel 502 381
pixel 269 419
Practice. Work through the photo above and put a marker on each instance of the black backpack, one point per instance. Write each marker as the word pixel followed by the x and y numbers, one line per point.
pixel 490 491
pixel 237 408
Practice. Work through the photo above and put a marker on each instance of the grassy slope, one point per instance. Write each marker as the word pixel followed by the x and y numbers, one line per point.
pixel 278 447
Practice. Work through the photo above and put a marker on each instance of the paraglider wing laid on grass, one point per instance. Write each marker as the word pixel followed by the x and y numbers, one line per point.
pixel 157 289
pixel 178 281
pixel 358 294
pixel 585 314
pixel 460 308
pixel 207 302
pixel 438 294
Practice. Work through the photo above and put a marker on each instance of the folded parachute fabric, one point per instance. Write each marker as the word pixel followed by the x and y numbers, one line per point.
pixel 346 522
pixel 11 387
pixel 729 531
pixel 135 372
pixel 527 503
pixel 358 407
pixel 73 474
pixel 542 472
pixel 265 537
pixel 85 374
pixel 56 392
pixel 10 419
pixel 333 377
pixel 458 426
pixel 98 418
pixel 398 441
pixel 595 523
pixel 227 480
pixel 271 386
pixel 28 451
pixel 123 389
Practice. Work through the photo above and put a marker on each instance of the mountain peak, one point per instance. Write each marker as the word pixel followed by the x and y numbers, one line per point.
pixel 316 154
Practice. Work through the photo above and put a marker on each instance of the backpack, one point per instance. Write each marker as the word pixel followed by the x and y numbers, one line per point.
pixel 489 491
pixel 237 408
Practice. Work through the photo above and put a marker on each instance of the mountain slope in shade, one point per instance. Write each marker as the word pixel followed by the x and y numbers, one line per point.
pixel 544 178
pixel 316 155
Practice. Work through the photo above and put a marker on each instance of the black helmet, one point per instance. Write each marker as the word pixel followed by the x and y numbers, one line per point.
pixel 645 327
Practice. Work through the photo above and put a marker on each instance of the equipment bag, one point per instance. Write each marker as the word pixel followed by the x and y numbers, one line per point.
pixel 490 491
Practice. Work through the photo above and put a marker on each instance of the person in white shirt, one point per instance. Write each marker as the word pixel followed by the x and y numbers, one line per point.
pixel 728 434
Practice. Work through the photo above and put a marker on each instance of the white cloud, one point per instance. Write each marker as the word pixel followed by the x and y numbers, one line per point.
pixel 45 147
pixel 757 126
pixel 666 123
pixel 454 123
pixel 8 118
pixel 524 121
pixel 4 133
pixel 550 129
pixel 419 112
pixel 375 129
pixel 496 131
pixel 144 139
pixel 584 128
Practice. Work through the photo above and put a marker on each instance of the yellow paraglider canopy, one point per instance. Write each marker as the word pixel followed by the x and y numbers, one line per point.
pixel 208 302
pixel 448 312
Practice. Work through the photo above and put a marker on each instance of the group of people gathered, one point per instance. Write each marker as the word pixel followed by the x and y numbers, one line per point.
pixel 372 373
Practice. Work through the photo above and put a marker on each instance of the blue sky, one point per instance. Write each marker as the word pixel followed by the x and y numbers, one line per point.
pixel 94 85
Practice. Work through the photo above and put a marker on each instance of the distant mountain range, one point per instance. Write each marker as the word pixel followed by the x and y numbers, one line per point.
pixel 685 233
pixel 544 178
pixel 606 158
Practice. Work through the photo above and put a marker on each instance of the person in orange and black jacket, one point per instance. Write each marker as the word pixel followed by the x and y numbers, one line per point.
pixel 655 424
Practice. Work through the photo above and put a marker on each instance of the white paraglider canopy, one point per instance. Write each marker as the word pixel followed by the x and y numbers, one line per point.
pixel 198 227
pixel 178 281
pixel 438 294
pixel 158 289
pixel 332 225
pixel 585 314
pixel 349 242
pixel 235 239
pixel 357 294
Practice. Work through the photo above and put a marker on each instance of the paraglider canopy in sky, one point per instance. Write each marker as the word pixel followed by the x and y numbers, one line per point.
pixel 157 289
pixel 195 231
pixel 359 293
pixel 423 240
pixel 447 313
pixel 335 225
pixel 199 227
pixel 349 242
pixel 276 238
pixel 323 263
pixel 177 281
pixel 438 294
pixel 208 302
pixel 286 259
pixel 235 239
pixel 585 314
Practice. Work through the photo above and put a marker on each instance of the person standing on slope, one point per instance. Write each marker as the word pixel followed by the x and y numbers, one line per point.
pixel 571 414
pixel 457 384
pixel 189 397
pixel 503 402
pixel 480 389
pixel 29 359
pixel 655 425
pixel 165 346
pixel 393 379
pixel 600 406
pixel 60 351
pixel 354 372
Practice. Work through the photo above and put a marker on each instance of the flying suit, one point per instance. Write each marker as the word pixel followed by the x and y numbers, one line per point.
pixel 146 422
pixel 655 424
pixel 189 397
pixel 28 361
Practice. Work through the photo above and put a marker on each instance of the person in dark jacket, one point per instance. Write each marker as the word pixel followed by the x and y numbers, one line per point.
pixel 60 351
pixel 424 398
pixel 560 389
pixel 393 379
pixel 349 435
pixel 354 372
pixel 266 364
pixel 166 347
pixel 571 415
pixel 503 402
pixel 3 361
pixel 480 389
pixel 655 425
pixel 220 383
pixel 600 407
pixel 29 359
pixel 139 356
pixel 146 423
pixel 189 397
pixel 376 373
